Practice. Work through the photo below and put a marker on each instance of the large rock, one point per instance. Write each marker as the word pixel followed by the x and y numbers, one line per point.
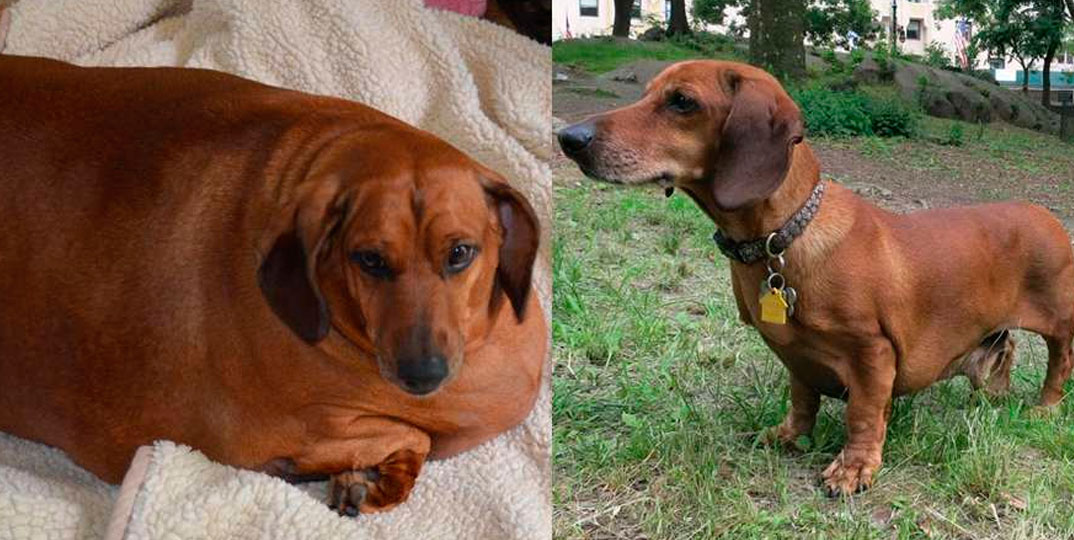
pixel 870 72
pixel 654 33
pixel 947 94
pixel 639 72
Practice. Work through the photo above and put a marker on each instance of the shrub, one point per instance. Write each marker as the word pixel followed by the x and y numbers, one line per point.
pixel 936 55
pixel 835 114
pixel 835 65
pixel 890 118
pixel 856 57
pixel 885 62
pixel 955 135
pixel 881 57
pixel 847 114
pixel 707 43
pixel 922 91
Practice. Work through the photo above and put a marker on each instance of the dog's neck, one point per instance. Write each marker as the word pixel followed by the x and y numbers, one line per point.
pixel 768 215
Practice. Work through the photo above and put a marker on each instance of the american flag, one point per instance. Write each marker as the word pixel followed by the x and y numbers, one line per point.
pixel 963 29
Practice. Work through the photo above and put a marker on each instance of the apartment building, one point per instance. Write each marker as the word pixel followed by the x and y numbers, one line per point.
pixel 579 18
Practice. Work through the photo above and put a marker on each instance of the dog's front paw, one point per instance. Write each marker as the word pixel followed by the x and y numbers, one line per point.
pixel 347 491
pixel 1043 412
pixel 850 473
pixel 782 436
pixel 378 488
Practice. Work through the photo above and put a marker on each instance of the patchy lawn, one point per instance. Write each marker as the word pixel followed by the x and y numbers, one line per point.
pixel 660 391
pixel 660 394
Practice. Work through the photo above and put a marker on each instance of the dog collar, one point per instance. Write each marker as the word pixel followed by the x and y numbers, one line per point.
pixel 751 251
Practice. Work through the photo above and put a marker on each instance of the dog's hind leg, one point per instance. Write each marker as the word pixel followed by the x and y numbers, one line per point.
pixel 1060 362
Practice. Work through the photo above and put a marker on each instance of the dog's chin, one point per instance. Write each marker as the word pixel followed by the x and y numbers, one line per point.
pixel 420 393
pixel 664 180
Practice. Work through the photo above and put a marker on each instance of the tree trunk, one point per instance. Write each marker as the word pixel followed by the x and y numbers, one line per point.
pixel 622 18
pixel 1025 74
pixel 1046 83
pixel 678 25
pixel 777 37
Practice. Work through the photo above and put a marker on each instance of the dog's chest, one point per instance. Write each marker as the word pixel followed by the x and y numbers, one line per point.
pixel 811 342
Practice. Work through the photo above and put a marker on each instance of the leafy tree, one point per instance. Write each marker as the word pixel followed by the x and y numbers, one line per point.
pixel 1026 30
pixel 1049 27
pixel 829 21
pixel 782 25
pixel 1010 36
pixel 713 11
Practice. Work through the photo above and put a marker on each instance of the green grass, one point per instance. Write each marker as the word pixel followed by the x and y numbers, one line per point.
pixel 660 393
pixel 600 55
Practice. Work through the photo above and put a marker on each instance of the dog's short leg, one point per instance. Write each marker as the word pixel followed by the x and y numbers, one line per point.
pixel 1060 362
pixel 378 488
pixel 868 409
pixel 805 402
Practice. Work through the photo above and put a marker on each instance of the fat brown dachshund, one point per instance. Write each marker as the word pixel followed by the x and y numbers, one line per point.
pixel 883 304
pixel 289 283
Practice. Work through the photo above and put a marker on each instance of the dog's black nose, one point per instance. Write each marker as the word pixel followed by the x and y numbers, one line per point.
pixel 574 139
pixel 423 375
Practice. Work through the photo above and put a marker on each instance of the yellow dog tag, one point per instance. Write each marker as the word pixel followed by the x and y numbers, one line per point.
pixel 774 307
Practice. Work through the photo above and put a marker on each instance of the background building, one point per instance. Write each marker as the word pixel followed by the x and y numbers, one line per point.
pixel 580 18
pixel 916 26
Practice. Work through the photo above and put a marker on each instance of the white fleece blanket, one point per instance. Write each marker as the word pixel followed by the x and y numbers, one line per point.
pixel 481 87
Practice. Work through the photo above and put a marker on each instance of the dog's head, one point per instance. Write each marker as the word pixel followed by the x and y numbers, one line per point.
pixel 728 125
pixel 406 248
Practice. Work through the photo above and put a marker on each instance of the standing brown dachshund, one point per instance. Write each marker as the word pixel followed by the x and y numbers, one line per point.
pixel 884 304
pixel 286 282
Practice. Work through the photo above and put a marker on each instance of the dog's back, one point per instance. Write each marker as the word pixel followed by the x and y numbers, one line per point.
pixel 116 187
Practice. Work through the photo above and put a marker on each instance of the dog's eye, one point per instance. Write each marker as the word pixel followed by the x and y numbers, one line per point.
pixel 371 263
pixel 681 103
pixel 460 257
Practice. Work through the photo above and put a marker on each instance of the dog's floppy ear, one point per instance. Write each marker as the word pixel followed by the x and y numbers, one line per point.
pixel 287 274
pixel 756 142
pixel 518 250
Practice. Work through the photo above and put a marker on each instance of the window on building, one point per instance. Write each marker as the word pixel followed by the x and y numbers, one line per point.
pixel 588 8
pixel 915 29
pixel 667 10
pixel 635 10
pixel 996 63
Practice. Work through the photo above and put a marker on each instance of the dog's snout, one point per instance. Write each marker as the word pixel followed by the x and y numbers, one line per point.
pixel 423 375
pixel 575 138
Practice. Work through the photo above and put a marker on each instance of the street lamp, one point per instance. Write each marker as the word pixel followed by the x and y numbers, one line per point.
pixel 894 24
